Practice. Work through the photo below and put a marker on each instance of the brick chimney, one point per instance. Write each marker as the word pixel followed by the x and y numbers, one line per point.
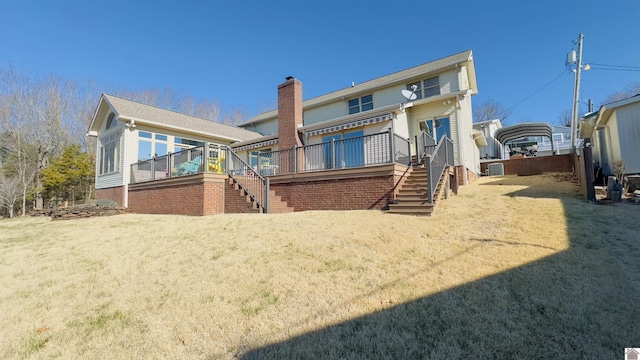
pixel 289 113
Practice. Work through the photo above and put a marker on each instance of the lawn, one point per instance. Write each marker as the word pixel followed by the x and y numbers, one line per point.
pixel 510 267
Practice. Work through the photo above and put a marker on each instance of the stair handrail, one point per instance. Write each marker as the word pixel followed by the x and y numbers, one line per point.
pixel 249 179
pixel 436 162
pixel 423 141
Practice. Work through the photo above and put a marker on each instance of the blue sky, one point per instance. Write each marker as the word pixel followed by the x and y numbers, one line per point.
pixel 239 51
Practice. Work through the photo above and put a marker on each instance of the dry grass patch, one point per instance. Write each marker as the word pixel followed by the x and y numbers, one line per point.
pixel 498 271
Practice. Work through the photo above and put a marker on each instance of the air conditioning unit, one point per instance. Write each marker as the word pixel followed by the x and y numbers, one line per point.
pixel 496 169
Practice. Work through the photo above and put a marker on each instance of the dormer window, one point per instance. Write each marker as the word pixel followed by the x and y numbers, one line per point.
pixel 426 88
pixel 111 121
pixel 360 104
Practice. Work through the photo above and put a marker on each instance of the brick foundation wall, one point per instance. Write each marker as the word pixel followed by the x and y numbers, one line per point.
pixel 460 173
pixel 557 163
pixel 114 194
pixel 361 193
pixel 235 202
pixel 197 195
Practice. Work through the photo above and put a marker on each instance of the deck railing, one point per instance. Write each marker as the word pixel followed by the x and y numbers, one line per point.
pixel 424 143
pixel 255 185
pixel 436 162
pixel 186 162
pixel 361 151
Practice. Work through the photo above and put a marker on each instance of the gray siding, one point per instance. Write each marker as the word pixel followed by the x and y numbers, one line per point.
pixel 629 136
pixel 448 82
pixel 327 112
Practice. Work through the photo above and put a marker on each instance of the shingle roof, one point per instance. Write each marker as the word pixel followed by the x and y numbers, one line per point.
pixel 154 115
pixel 426 68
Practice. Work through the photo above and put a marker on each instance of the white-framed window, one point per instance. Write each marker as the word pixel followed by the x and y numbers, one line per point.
pixel 109 153
pixel 180 144
pixel 360 104
pixel 426 88
pixel 151 145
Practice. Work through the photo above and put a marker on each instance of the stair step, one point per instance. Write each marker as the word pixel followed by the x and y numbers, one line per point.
pixel 411 202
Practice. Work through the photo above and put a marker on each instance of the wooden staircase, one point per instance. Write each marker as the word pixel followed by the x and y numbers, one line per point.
pixel 413 197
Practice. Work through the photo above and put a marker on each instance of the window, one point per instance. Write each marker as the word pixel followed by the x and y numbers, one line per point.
pixel 360 104
pixel 183 144
pixel 347 150
pixel 109 154
pixel 426 88
pixel 437 127
pixel 151 145
pixel 111 122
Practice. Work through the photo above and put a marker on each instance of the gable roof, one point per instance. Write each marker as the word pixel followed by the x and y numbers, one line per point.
pixel 591 121
pixel 151 115
pixel 432 67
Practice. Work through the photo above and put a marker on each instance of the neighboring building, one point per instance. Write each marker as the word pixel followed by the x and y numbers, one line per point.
pixel 533 139
pixel 614 132
pixel 558 144
pixel 488 129
pixel 353 146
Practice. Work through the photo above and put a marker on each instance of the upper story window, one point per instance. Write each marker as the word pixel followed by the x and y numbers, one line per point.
pixel 360 104
pixel 426 88
pixel 111 121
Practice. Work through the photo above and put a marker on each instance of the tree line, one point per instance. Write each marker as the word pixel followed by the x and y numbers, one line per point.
pixel 45 157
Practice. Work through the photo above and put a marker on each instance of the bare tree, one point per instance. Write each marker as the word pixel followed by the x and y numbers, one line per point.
pixel 489 110
pixel 235 117
pixel 209 110
pixel 629 91
pixel 564 118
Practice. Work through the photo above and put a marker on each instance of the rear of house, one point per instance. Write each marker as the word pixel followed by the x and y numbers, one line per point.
pixel 349 149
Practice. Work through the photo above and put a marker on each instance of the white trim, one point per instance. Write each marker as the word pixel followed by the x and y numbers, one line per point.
pixel 178 128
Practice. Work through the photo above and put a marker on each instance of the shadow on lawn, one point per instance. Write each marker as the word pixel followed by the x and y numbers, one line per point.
pixel 579 303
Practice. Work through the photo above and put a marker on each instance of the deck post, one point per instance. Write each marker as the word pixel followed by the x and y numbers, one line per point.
pixel 333 153
pixel 427 167
pixel 266 195
pixel 391 147
pixel 295 159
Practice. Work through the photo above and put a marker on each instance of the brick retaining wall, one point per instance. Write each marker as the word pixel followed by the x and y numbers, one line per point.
pixel 533 165
pixel 201 194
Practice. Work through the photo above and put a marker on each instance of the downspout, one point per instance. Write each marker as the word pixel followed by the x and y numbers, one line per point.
pixel 126 169
pixel 461 148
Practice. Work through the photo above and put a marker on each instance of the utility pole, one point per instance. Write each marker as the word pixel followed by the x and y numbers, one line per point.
pixel 576 95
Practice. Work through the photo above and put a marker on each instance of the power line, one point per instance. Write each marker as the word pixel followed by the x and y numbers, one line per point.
pixel 537 91
pixel 610 69
pixel 618 66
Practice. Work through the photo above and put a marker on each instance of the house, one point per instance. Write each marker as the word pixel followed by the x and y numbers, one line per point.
pixel 614 133
pixel 354 146
pixel 487 129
